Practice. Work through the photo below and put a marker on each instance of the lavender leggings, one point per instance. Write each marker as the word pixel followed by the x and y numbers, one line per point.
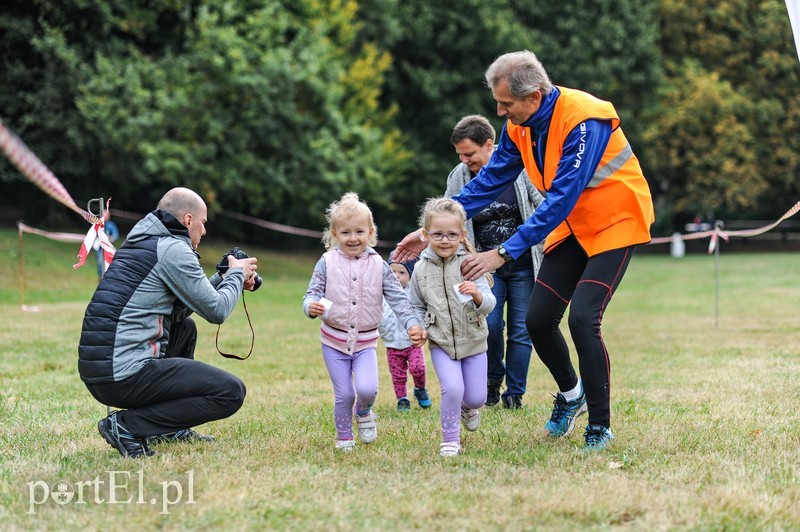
pixel 463 385
pixel 361 367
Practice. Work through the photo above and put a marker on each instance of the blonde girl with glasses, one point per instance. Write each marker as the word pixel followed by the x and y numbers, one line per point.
pixel 454 313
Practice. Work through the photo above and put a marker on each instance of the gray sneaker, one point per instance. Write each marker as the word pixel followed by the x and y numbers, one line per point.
pixel 182 435
pixel 471 419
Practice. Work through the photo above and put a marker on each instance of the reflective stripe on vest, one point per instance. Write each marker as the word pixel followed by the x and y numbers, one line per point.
pixel 612 166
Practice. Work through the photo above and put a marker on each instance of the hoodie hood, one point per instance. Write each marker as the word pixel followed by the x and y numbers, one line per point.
pixel 158 223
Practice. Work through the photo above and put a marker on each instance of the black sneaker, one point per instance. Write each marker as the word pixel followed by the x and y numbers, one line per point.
pixel 512 401
pixel 182 435
pixel 493 391
pixel 120 439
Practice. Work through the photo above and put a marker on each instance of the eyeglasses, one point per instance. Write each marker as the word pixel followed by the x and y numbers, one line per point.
pixel 452 237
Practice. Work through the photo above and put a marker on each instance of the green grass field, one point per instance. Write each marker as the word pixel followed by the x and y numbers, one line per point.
pixel 707 420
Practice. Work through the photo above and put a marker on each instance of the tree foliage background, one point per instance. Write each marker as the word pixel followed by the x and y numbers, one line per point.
pixel 274 108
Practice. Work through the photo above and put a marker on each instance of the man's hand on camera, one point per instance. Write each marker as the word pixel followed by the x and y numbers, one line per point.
pixel 249 269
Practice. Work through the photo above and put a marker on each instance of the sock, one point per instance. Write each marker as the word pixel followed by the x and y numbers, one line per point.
pixel 363 411
pixel 401 398
pixel 574 393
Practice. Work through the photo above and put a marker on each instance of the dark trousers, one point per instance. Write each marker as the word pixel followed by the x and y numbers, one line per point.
pixel 175 392
pixel 568 277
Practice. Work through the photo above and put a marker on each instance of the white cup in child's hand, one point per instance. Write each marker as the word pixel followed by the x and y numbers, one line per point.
pixel 464 298
pixel 327 303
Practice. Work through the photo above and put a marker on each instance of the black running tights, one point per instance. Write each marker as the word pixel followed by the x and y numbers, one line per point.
pixel 568 275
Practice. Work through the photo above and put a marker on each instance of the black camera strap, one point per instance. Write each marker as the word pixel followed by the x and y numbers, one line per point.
pixel 252 336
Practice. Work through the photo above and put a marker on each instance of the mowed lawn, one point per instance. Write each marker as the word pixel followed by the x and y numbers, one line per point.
pixel 707 419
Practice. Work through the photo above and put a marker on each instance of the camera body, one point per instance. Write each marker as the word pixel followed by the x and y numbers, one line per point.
pixel 237 253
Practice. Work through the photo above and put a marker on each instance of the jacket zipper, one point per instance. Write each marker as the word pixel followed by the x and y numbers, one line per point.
pixel 450 312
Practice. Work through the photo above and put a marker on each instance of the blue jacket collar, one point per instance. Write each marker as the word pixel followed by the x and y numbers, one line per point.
pixel 540 121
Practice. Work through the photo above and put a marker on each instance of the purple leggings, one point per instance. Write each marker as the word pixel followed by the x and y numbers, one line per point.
pixel 405 361
pixel 361 368
pixel 463 385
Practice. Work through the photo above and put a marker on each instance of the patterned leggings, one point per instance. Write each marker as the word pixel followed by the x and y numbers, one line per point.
pixel 405 361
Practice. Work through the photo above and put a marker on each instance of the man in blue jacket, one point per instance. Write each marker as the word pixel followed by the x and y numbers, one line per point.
pixel 137 343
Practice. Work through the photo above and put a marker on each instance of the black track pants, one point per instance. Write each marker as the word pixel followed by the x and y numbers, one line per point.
pixel 174 392
pixel 568 275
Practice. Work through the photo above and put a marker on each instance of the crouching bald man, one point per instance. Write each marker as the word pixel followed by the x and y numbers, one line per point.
pixel 137 343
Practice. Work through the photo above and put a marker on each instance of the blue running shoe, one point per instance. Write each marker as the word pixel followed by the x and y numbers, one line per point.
pixel 562 420
pixel 597 437
pixel 422 396
pixel 403 404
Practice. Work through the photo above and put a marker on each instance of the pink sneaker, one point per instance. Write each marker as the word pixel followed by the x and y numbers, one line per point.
pixel 450 448
pixel 471 419
pixel 346 446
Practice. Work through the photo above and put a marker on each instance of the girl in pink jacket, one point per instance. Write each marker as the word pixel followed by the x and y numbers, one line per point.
pixel 346 292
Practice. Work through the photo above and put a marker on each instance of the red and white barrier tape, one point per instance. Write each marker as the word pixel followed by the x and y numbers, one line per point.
pixel 291 230
pixel 26 161
pixel 96 233
pixel 35 170
pixel 60 237
pixel 273 226
pixel 717 233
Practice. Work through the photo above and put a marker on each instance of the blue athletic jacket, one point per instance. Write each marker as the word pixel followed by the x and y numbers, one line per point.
pixel 506 163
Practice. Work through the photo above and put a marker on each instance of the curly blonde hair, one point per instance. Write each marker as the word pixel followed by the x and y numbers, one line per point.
pixel 346 207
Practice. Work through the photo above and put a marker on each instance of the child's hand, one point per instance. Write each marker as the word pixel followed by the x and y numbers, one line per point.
pixel 418 335
pixel 316 309
pixel 471 289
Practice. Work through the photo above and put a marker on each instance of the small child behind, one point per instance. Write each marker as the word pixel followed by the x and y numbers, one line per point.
pixel 402 356
pixel 454 313
pixel 354 280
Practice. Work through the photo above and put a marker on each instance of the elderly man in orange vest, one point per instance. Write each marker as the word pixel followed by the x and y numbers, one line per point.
pixel 597 209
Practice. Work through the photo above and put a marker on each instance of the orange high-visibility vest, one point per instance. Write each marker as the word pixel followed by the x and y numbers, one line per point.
pixel 615 210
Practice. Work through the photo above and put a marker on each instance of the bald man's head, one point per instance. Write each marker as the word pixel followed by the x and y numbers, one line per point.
pixel 189 209
pixel 180 201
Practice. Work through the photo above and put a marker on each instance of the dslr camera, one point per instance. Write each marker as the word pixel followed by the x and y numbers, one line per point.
pixel 222 267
